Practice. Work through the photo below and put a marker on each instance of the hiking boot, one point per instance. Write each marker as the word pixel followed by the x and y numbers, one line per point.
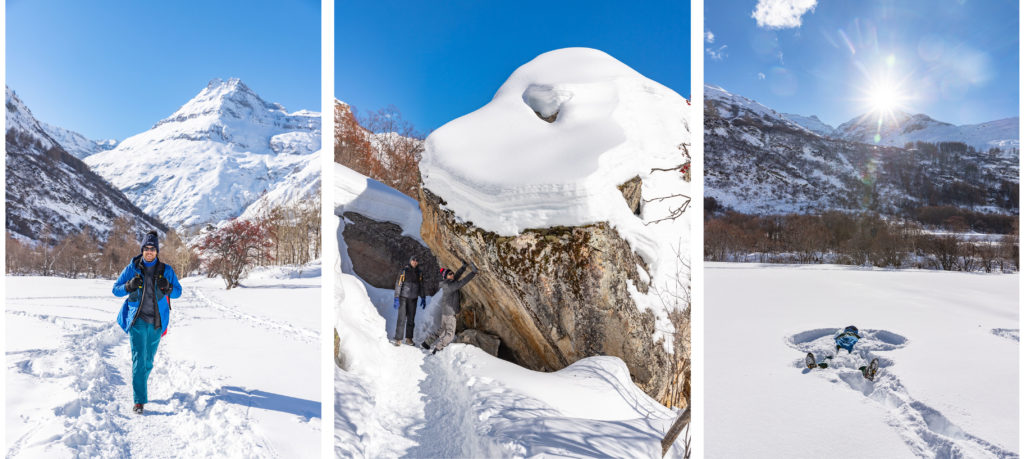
pixel 137 409
pixel 396 342
pixel 409 341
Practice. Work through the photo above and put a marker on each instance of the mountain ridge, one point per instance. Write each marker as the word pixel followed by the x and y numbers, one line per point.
pixel 215 156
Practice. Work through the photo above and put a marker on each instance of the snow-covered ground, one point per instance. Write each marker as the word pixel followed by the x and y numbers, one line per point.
pixel 237 374
pixel 947 344
pixel 462 402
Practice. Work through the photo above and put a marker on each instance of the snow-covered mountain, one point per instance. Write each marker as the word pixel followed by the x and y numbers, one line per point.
pixel 758 160
pixel 215 156
pixel 48 187
pixel 77 144
pixel 812 123
pixel 902 128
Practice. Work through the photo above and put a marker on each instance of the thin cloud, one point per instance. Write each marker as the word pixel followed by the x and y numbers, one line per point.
pixel 709 37
pixel 717 54
pixel 781 14
pixel 761 76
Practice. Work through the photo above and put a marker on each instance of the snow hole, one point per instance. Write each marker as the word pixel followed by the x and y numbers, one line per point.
pixel 546 101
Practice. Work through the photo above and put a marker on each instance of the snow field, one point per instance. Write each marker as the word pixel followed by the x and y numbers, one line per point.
pixel 224 381
pixel 948 379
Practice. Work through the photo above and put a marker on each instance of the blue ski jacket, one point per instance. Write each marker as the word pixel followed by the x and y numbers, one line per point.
pixel 846 340
pixel 130 309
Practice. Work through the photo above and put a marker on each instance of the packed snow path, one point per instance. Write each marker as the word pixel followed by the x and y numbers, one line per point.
pixel 946 341
pixel 924 428
pixel 464 403
pixel 213 388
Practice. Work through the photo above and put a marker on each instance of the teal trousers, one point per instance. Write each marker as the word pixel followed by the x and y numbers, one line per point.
pixel 144 338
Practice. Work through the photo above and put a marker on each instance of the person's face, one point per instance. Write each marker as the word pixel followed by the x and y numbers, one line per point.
pixel 450 276
pixel 413 263
pixel 149 253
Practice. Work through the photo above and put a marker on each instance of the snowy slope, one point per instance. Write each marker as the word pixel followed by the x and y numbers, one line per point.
pixel 902 128
pixel 811 123
pixel 77 144
pixel 214 156
pixel 49 189
pixel 731 105
pixel 302 184
pixel 947 342
pixel 398 401
pixel 506 169
pixel 237 374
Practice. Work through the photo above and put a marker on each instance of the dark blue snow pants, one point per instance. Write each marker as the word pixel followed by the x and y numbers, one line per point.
pixel 144 338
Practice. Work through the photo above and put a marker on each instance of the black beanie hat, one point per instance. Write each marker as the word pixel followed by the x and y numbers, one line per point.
pixel 413 258
pixel 150 239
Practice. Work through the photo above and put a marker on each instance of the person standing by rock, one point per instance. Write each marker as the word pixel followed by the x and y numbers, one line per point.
pixel 149 285
pixel 451 302
pixel 408 287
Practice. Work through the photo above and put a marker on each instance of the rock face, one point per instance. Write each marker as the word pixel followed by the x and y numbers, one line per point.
pixel 489 343
pixel 378 251
pixel 553 296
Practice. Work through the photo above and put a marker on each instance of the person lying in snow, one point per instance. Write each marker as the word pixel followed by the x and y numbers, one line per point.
pixel 450 303
pixel 846 340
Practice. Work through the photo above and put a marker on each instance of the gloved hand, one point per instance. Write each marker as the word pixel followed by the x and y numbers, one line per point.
pixel 134 283
pixel 396 302
pixel 423 303
pixel 164 285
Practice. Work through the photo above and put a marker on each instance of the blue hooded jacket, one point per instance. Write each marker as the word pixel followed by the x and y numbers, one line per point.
pixel 130 309
pixel 846 340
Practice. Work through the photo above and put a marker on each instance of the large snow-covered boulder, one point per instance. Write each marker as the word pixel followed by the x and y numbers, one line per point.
pixel 528 187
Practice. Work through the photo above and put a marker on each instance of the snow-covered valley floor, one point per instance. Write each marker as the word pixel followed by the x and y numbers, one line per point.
pixel 947 344
pixel 237 374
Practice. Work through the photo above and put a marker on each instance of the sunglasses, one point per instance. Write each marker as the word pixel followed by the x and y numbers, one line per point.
pixel 149 248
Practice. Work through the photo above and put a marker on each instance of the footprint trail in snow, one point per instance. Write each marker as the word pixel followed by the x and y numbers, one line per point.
pixel 82 406
pixel 926 430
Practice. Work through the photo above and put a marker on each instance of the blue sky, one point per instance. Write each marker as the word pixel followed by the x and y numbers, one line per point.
pixel 437 61
pixel 954 60
pixel 111 69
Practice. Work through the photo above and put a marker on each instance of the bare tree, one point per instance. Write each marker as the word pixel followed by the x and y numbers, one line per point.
pixel 398 147
pixel 234 248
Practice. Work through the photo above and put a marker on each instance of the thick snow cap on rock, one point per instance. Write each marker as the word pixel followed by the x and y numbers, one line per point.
pixel 355 192
pixel 552 147
pixel 506 169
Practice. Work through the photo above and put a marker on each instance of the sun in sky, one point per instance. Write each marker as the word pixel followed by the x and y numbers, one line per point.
pixel 884 94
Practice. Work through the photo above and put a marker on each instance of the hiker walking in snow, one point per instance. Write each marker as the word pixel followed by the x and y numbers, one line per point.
pixel 450 302
pixel 408 287
pixel 149 285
